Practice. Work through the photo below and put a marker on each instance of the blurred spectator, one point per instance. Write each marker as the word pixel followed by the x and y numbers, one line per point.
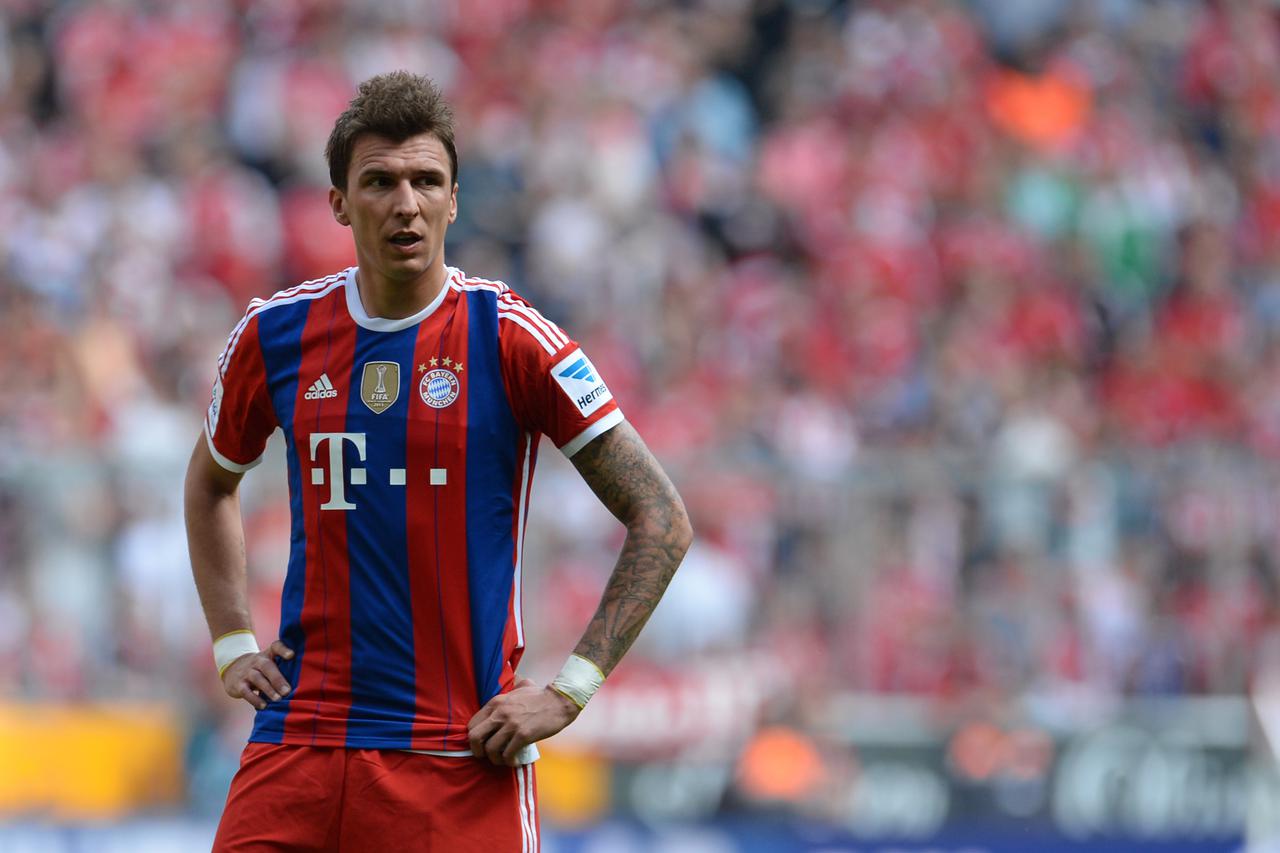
pixel 958 326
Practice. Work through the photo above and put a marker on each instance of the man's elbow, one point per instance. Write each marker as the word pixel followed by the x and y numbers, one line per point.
pixel 681 529
pixel 666 524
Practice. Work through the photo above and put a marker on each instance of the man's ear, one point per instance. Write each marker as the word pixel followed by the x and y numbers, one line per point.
pixel 453 205
pixel 338 204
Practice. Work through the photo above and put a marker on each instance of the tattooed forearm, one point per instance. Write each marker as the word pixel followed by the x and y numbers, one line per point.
pixel 630 482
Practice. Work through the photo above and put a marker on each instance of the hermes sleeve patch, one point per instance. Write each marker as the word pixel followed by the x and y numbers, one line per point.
pixel 581 382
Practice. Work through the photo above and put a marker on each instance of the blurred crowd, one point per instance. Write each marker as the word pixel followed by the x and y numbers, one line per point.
pixel 955 322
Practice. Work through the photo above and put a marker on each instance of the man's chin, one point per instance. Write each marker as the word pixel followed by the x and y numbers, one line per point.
pixel 406 268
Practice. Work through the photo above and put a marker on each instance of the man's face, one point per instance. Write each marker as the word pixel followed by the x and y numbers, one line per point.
pixel 399 201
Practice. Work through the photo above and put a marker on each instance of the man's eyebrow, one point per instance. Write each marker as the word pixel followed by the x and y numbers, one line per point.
pixel 381 169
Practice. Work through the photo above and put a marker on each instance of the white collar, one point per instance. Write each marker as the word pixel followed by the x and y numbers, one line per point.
pixel 382 324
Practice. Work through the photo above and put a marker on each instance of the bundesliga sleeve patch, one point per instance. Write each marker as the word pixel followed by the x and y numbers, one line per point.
pixel 580 381
pixel 215 406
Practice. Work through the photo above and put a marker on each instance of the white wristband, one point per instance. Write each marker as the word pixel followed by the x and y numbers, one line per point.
pixel 232 645
pixel 579 679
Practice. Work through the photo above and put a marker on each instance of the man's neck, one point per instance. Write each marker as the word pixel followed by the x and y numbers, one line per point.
pixel 395 300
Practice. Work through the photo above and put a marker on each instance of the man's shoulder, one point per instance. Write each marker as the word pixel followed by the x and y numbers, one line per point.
pixel 307 290
pixel 519 322
pixel 460 280
pixel 251 323
pixel 505 299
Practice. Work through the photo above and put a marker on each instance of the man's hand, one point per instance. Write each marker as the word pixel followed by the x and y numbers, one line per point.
pixel 511 721
pixel 253 676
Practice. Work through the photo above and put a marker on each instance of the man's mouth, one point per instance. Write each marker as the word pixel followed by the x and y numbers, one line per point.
pixel 406 239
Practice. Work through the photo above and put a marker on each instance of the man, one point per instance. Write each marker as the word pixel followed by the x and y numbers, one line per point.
pixel 411 398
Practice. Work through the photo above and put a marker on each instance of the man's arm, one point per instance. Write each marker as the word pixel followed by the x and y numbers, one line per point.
pixel 629 481
pixel 632 485
pixel 215 539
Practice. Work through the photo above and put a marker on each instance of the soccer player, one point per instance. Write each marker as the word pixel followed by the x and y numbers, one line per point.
pixel 412 398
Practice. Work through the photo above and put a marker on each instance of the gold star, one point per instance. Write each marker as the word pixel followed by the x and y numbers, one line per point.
pixel 434 361
pixel 446 361
pixel 458 365
pixel 422 368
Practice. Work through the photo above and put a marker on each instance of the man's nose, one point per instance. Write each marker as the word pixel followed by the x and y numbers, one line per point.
pixel 403 201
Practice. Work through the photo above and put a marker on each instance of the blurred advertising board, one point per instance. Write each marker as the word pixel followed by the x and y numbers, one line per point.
pixel 754 836
pixel 914 774
pixel 89 762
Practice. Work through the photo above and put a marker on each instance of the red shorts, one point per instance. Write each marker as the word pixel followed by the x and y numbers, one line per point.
pixel 351 800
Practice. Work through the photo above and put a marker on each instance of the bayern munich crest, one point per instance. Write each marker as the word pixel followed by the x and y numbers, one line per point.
pixel 439 387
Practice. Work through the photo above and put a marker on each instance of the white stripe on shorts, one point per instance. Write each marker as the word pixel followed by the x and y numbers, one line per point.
pixel 526 839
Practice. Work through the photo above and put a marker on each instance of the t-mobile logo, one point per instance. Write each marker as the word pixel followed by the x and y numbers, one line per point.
pixel 337 482
pixel 336 469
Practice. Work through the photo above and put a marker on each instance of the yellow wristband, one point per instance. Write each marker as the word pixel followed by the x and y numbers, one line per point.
pixel 579 679
pixel 231 646
pixel 567 695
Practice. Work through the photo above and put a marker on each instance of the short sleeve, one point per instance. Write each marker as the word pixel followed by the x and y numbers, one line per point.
pixel 553 387
pixel 240 417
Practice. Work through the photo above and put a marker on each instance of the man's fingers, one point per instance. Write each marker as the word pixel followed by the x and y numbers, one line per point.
pixel 512 750
pixel 274 677
pixel 478 734
pixel 279 649
pixel 496 743
pixel 259 682
pixel 247 694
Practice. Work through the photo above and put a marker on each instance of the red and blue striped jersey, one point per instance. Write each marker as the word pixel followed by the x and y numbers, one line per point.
pixel 411 447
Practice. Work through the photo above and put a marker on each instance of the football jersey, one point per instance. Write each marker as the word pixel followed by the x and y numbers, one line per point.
pixel 411 447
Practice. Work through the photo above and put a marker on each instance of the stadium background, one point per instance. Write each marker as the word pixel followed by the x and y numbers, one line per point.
pixel 955 322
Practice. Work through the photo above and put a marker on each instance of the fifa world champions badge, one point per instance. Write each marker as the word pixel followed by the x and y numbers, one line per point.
pixel 380 385
pixel 438 387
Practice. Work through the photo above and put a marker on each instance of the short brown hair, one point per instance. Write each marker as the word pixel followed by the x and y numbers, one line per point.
pixel 396 105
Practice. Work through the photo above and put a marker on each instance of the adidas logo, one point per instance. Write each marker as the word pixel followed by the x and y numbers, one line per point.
pixel 579 370
pixel 321 389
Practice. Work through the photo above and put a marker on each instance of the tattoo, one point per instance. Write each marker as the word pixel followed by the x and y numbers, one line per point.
pixel 630 482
